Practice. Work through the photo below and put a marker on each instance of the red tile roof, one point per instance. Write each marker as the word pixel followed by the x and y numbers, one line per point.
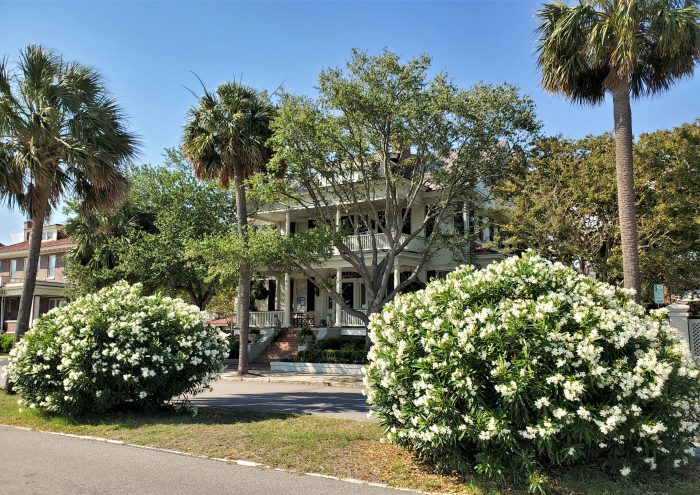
pixel 24 246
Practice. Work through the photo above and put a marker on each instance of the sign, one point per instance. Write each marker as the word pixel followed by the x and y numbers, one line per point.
pixel 658 293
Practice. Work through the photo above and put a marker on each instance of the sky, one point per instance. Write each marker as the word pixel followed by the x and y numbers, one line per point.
pixel 149 51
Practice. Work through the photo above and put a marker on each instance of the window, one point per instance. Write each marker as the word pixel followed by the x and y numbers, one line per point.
pixel 406 227
pixel 48 235
pixel 13 268
pixel 363 296
pixel 52 266
pixel 458 218
pixel 56 303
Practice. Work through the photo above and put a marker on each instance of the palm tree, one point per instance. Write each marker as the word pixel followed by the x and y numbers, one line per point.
pixel 61 134
pixel 627 48
pixel 225 138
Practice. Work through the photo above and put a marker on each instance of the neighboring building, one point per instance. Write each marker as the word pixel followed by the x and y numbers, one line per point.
pixel 50 283
pixel 293 301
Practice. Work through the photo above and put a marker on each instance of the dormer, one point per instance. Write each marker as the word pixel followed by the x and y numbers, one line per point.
pixel 50 233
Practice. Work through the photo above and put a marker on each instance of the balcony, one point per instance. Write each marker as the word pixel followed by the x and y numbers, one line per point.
pixel 364 241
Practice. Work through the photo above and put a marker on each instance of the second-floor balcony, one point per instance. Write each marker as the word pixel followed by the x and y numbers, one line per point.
pixel 366 243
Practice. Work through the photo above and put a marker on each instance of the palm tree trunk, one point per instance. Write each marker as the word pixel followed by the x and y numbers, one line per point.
pixel 244 275
pixel 27 297
pixel 625 188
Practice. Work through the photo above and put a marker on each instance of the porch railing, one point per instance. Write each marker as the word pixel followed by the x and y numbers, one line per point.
pixel 266 319
pixel 364 241
pixel 349 320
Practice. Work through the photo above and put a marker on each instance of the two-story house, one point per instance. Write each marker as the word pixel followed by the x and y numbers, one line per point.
pixel 293 300
pixel 50 286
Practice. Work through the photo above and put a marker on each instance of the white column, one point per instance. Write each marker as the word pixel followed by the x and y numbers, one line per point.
pixel 337 219
pixel 287 222
pixel 397 274
pixel 678 318
pixel 34 314
pixel 2 313
pixel 287 301
pixel 339 291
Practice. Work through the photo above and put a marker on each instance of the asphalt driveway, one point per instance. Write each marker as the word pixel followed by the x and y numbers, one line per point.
pixel 339 402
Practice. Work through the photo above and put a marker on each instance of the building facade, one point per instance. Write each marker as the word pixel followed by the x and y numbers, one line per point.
pixel 293 300
pixel 50 286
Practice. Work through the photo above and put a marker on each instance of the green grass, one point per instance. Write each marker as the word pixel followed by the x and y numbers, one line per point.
pixel 336 447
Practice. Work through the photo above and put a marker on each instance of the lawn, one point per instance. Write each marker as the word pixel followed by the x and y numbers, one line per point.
pixel 336 447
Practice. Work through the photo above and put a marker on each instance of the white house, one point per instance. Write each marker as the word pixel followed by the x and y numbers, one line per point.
pixel 294 301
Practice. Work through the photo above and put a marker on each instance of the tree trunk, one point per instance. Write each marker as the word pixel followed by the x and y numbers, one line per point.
pixel 625 188
pixel 27 297
pixel 244 275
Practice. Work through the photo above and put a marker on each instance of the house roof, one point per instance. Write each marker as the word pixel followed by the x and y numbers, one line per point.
pixel 24 246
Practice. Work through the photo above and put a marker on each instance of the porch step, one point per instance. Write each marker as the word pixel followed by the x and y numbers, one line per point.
pixel 285 347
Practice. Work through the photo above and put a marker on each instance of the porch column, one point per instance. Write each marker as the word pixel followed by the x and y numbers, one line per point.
pixel 2 314
pixel 678 318
pixel 34 314
pixel 339 291
pixel 287 224
pixel 287 301
pixel 397 274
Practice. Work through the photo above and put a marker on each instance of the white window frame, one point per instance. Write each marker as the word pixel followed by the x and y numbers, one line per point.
pixel 56 303
pixel 13 268
pixel 51 267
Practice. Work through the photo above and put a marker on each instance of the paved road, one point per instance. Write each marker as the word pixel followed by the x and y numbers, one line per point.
pixel 337 402
pixel 39 463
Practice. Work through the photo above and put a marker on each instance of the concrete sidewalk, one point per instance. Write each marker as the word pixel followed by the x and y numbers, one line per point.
pixel 315 379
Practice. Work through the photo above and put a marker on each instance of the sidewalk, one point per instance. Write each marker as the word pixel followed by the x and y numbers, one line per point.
pixel 317 379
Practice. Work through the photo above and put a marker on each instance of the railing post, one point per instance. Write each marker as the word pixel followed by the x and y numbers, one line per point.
pixel 678 318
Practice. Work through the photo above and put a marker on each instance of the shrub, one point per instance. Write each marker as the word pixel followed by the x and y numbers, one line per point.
pixel 337 351
pixel 306 335
pixel 6 340
pixel 526 363
pixel 115 349
pixel 234 346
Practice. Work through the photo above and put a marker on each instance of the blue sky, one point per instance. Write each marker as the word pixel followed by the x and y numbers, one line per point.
pixel 147 51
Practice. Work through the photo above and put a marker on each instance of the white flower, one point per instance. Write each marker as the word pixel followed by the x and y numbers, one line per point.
pixel 625 471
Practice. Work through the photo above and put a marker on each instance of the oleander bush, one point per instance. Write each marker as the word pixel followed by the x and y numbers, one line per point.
pixel 526 364
pixel 115 349
pixel 6 340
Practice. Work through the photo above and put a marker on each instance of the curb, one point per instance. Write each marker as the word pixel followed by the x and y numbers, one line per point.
pixel 263 379
pixel 238 462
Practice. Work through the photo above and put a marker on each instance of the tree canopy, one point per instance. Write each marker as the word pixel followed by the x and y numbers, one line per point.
pixel 564 206
pixel 381 134
pixel 147 240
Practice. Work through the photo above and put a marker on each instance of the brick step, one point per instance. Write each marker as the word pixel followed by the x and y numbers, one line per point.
pixel 286 346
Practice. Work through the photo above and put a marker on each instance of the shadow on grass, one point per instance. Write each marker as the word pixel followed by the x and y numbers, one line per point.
pixel 167 415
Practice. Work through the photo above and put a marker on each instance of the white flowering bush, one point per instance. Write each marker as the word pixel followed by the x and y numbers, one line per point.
pixel 527 364
pixel 115 349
